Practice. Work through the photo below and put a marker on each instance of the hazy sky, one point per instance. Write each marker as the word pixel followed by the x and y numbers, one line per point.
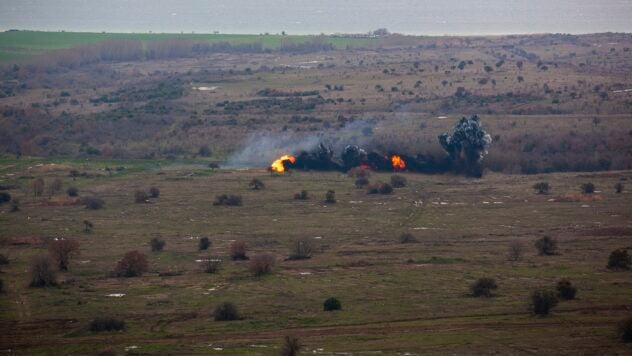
pixel 316 16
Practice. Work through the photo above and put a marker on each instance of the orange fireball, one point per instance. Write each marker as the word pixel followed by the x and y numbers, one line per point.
pixel 398 163
pixel 278 165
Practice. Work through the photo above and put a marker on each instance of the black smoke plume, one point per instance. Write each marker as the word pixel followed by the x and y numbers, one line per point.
pixel 466 146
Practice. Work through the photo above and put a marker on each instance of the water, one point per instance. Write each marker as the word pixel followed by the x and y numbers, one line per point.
pixel 427 17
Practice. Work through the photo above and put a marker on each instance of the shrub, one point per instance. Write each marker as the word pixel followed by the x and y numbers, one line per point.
pixel 566 290
pixel 625 330
pixel 93 203
pixel 107 324
pixel 588 188
pixel 238 250
pixel 291 346
pixel 398 181
pixel 204 244
pixel 133 264
pixel 619 259
pixel 618 188
pixel 302 249
pixel 261 265
pixel 542 187
pixel 5 197
pixel 361 182
pixel 407 238
pixel 332 304
pixel 228 200
pixel 303 195
pixel 256 184
pixel 542 301
pixel 87 226
pixel 42 274
pixel 516 250
pixel 330 197
pixel 212 264
pixel 3 260
pixel 546 246
pixel 141 197
pixel 225 312
pixel 157 244
pixel 380 188
pixel 55 186
pixel 62 250
pixel 154 192
pixel 483 287
pixel 72 192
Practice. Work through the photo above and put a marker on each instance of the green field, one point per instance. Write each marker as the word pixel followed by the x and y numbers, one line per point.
pixel 396 297
pixel 20 45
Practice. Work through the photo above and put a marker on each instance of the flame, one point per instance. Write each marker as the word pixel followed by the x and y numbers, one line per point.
pixel 278 167
pixel 398 162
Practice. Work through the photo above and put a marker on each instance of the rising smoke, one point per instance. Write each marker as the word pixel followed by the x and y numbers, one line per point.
pixel 467 145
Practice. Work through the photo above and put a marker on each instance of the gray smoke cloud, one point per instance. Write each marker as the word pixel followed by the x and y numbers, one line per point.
pixel 467 145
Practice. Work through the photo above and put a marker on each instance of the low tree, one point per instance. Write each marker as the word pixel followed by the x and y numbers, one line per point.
pixel 291 346
pixel 93 203
pixel 256 184
pixel 483 287
pixel 157 244
pixel 154 192
pixel 204 244
pixel 546 246
pixel 566 290
pixel 212 265
pixel 261 265
pixel 588 188
pixel 542 187
pixel 62 250
pixel 5 197
pixel 516 250
pixel 238 250
pixel 42 273
pixel 331 304
pixel 302 249
pixel 330 197
pixel 225 312
pixel 133 264
pixel 542 301
pixel 619 259
pixel 87 226
pixel 55 186
pixel 72 192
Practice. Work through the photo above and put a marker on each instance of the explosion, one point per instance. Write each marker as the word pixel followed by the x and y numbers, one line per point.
pixel 467 145
pixel 278 166
pixel 398 163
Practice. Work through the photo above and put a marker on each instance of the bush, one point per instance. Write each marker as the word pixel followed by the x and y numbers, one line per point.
pixel 618 188
pixel 566 290
pixel 42 274
pixel 3 260
pixel 619 259
pixel 542 187
pixel 256 184
pixel 212 264
pixel 55 186
pixel 72 192
pixel 542 301
pixel 62 250
pixel 483 287
pixel 107 324
pixel 398 181
pixel 407 238
pixel 225 312
pixel 238 250
pixel 157 244
pixel 204 244
pixel 261 265
pixel 302 249
pixel 380 188
pixel 516 250
pixel 141 197
pixel 5 197
pixel 87 226
pixel 303 195
pixel 228 200
pixel 154 192
pixel 588 188
pixel 361 182
pixel 93 203
pixel 546 246
pixel 330 197
pixel 625 330
pixel 291 346
pixel 332 304
pixel 133 264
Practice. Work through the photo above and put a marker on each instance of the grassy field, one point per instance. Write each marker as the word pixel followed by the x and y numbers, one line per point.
pixel 396 298
pixel 20 45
